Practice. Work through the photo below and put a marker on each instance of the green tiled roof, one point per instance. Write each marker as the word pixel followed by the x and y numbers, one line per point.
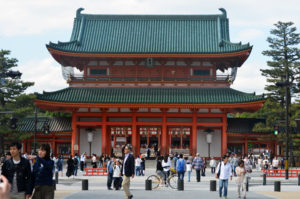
pixel 149 95
pixel 150 34
pixel 56 124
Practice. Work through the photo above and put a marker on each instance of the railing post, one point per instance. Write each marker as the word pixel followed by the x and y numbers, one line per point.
pixel 264 179
pixel 277 186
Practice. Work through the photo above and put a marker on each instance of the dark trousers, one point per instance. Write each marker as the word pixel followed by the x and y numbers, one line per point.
pixel 109 180
pixel 81 165
pixel 75 170
pixel 43 192
pixel 117 183
pixel 213 170
pixel 198 176
pixel 203 171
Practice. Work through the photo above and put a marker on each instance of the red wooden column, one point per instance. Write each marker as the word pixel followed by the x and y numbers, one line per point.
pixel 104 133
pixel 164 135
pixel 29 143
pixel 194 133
pixel 134 140
pixel 246 146
pixel 24 146
pixel 224 135
pixel 74 131
pixel 53 144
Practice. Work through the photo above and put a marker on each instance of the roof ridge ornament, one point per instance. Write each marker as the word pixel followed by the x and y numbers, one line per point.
pixel 78 12
pixel 224 13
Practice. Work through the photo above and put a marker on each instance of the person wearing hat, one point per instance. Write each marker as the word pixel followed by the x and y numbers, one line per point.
pixel 188 169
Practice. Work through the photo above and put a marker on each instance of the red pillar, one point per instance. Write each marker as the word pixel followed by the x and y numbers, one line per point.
pixel 194 134
pixel 29 143
pixel 74 131
pixel 24 146
pixel 134 140
pixel 164 136
pixel 224 135
pixel 104 135
pixel 246 146
pixel 53 144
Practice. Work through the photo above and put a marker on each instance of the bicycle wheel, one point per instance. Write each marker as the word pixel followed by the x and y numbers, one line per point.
pixel 172 181
pixel 155 181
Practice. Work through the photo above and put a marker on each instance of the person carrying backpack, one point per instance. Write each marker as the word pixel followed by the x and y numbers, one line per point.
pixel 59 165
pixel 110 171
pixel 181 167
pixel 76 164
pixel 117 175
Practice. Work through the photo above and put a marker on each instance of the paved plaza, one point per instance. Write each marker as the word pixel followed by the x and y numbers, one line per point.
pixel 71 188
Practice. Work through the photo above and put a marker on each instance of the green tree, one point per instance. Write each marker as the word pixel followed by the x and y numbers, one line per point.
pixel 285 57
pixel 12 98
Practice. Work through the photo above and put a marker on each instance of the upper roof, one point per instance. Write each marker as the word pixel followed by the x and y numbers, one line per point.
pixel 140 95
pixel 149 34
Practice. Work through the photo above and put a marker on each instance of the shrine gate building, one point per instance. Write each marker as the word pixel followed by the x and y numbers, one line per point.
pixel 150 80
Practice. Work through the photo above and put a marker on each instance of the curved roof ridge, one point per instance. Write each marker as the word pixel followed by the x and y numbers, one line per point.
pixel 150 16
pixel 236 44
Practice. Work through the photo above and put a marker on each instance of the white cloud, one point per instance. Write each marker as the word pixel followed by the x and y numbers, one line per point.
pixel 249 35
pixel 46 74
pixel 21 17
pixel 249 79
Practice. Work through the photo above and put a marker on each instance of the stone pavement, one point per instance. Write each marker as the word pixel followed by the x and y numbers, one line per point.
pixel 71 188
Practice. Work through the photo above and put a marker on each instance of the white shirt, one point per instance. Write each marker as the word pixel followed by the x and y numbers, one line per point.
pixel 225 171
pixel 82 158
pixel 138 162
pixel 275 163
pixel 14 187
pixel 117 171
pixel 126 156
pixel 212 163
pixel 166 165
pixel 189 167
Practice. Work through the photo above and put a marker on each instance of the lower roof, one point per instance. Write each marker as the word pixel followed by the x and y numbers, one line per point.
pixel 140 95
pixel 56 124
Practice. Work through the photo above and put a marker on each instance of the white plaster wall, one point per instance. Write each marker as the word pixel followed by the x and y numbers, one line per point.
pixel 215 146
pixel 96 144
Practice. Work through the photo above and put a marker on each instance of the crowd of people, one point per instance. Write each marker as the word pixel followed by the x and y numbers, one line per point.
pixel 30 176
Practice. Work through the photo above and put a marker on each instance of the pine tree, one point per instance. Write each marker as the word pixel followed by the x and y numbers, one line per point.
pixel 285 56
pixel 11 95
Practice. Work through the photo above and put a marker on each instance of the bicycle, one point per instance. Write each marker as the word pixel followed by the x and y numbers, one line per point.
pixel 171 181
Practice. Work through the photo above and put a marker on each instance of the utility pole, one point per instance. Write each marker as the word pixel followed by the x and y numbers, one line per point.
pixel 35 128
pixel 287 83
pixel 287 90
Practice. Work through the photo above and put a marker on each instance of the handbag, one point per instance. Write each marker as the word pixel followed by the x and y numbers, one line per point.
pixel 219 172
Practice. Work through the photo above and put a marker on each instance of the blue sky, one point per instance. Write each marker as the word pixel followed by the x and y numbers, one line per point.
pixel 26 26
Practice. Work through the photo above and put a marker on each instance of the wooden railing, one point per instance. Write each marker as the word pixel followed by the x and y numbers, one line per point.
pixel 293 173
pixel 218 78
pixel 95 172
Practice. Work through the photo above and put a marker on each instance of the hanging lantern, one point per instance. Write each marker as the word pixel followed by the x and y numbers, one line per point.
pixel 188 132
pixel 112 131
pixel 129 131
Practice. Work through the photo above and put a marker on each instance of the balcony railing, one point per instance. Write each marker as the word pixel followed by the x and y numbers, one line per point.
pixel 218 78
